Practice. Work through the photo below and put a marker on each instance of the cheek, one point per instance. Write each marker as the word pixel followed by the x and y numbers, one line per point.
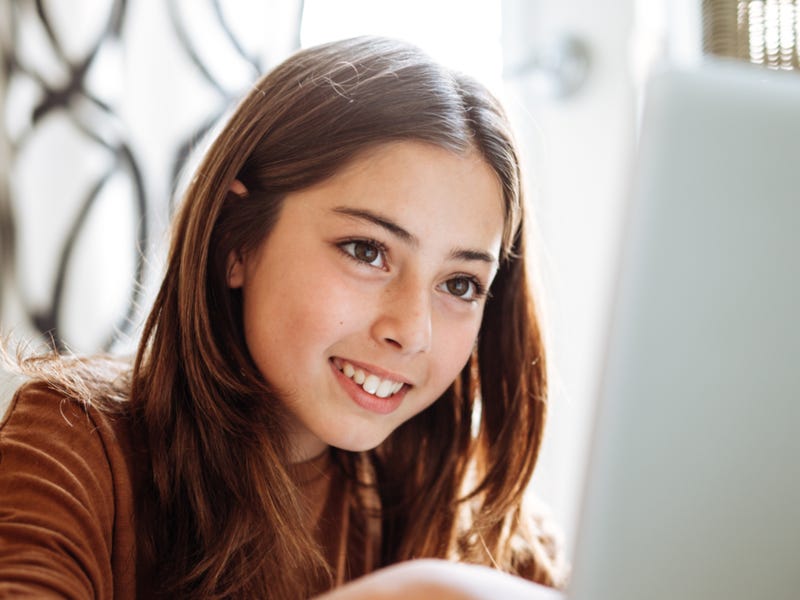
pixel 455 346
pixel 300 314
pixel 325 303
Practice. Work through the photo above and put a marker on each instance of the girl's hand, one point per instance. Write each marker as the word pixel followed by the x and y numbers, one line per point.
pixel 440 580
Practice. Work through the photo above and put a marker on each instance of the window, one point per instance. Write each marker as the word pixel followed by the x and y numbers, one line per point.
pixel 764 32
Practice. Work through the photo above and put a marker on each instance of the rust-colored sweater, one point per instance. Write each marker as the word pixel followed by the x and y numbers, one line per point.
pixel 67 488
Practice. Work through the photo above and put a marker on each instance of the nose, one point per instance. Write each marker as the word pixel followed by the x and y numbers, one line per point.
pixel 404 318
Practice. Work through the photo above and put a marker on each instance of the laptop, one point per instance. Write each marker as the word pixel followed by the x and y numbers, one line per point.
pixel 693 485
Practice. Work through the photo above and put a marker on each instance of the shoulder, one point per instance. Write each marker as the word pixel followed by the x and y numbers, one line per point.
pixel 32 399
pixel 40 412
pixel 66 488
pixel 47 432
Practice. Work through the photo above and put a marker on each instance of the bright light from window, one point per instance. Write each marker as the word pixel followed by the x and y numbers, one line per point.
pixel 461 34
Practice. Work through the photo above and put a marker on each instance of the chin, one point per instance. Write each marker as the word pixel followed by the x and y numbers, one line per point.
pixel 357 445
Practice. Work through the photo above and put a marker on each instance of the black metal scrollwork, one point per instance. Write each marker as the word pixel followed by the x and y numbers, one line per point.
pixel 190 41
pixel 69 96
pixel 92 118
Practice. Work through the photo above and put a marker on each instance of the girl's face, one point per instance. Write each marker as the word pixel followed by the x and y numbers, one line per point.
pixel 364 303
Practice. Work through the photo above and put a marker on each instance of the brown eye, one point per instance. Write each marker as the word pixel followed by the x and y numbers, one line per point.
pixel 463 287
pixel 459 286
pixel 365 252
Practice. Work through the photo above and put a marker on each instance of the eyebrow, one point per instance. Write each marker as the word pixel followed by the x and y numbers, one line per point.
pixel 477 255
pixel 408 237
pixel 372 217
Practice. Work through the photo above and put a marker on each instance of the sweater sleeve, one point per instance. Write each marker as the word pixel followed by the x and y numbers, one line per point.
pixel 56 500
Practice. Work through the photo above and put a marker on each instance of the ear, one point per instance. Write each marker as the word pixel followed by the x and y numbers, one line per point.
pixel 235 269
pixel 238 188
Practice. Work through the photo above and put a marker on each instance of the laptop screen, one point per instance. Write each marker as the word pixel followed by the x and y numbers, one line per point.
pixel 694 482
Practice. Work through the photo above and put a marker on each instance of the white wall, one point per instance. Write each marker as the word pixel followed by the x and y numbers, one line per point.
pixel 578 150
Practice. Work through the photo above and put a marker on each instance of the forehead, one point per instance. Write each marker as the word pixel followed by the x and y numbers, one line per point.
pixel 404 172
pixel 433 192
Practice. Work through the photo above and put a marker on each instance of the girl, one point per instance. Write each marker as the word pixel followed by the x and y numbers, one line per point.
pixel 342 369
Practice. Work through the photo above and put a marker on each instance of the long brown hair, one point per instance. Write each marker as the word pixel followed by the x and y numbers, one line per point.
pixel 218 515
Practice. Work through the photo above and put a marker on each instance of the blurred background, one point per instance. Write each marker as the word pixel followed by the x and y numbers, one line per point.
pixel 103 103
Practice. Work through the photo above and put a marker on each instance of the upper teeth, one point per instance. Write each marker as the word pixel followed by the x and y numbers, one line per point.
pixel 372 384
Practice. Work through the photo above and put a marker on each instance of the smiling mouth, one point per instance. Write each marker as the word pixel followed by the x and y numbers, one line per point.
pixel 380 387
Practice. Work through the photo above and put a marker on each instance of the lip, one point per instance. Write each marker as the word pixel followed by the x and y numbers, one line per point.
pixel 381 406
pixel 382 373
